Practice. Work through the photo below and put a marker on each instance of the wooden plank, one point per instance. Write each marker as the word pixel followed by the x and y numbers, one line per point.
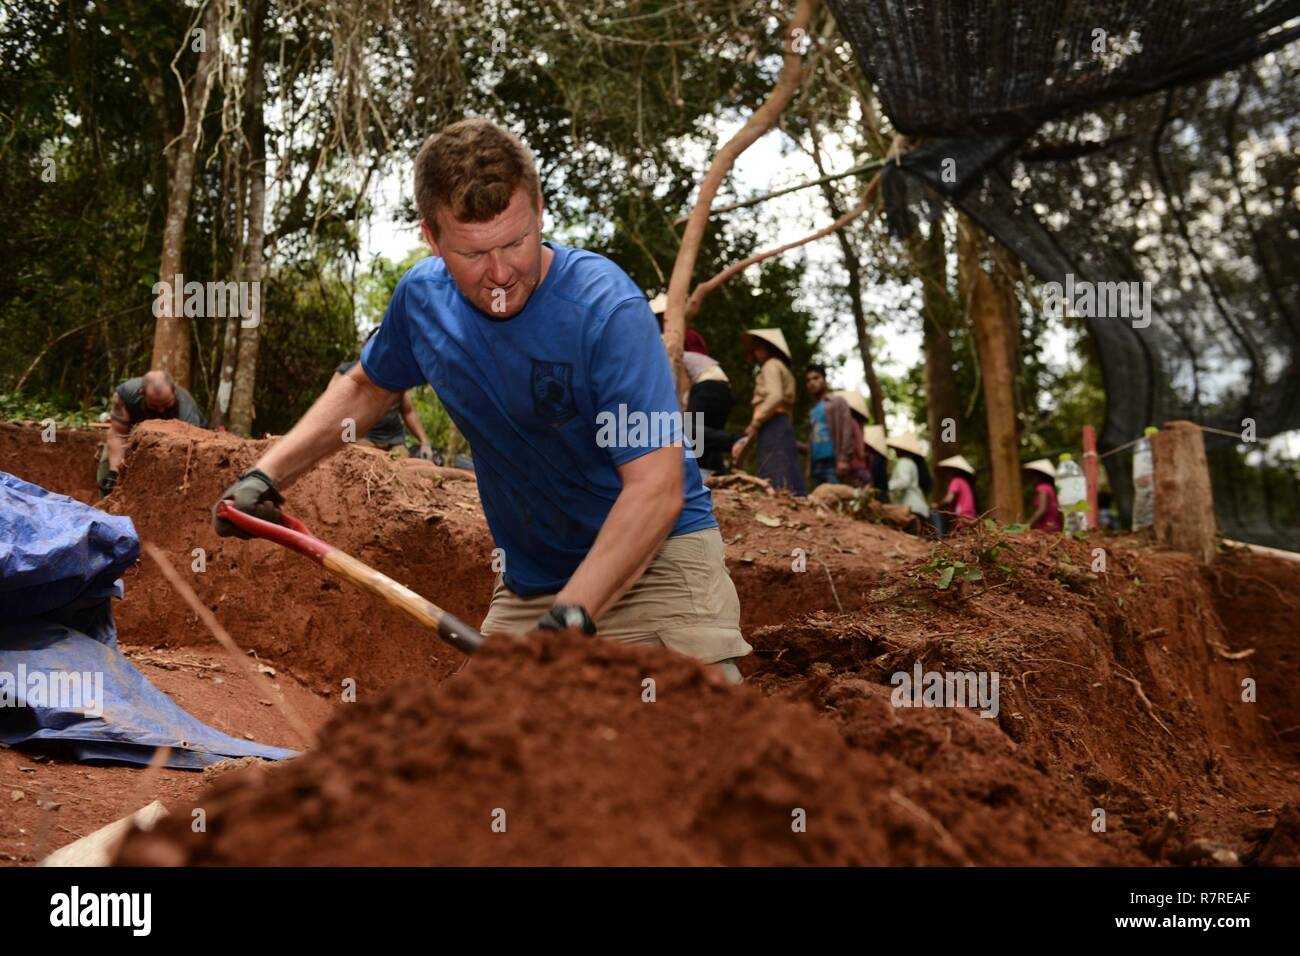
pixel 97 849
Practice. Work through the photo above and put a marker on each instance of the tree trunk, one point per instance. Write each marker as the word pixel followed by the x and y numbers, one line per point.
pixel 852 265
pixel 988 315
pixel 229 360
pixel 171 340
pixel 245 375
pixel 929 262
pixel 233 180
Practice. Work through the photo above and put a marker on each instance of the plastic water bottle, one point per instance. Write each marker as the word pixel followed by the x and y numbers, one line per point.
pixel 1072 495
pixel 1144 488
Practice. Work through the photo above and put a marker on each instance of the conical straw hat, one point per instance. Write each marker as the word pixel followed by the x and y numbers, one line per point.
pixel 1043 466
pixel 958 462
pixel 874 436
pixel 773 337
pixel 908 442
pixel 856 402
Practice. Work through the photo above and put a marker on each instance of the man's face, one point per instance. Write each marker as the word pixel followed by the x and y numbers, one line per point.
pixel 497 264
pixel 815 383
pixel 159 399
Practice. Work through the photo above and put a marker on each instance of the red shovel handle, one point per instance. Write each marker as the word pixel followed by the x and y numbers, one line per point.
pixel 293 534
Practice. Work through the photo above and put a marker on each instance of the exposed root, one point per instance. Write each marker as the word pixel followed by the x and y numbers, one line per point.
pixel 1142 694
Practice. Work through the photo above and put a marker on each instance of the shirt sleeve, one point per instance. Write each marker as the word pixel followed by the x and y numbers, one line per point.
pixel 127 397
pixel 772 389
pixel 188 410
pixel 632 384
pixel 388 359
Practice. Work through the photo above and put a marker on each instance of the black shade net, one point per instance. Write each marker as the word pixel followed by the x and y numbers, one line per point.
pixel 1109 142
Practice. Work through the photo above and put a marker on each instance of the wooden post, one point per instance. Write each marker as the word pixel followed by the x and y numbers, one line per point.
pixel 1184 505
pixel 1090 475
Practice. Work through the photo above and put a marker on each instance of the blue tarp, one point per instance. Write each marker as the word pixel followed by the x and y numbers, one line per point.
pixel 62 678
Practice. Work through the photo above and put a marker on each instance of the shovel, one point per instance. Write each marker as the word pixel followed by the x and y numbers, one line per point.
pixel 293 534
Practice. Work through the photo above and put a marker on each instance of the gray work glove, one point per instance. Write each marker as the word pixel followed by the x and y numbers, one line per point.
pixel 254 494
pixel 425 453
pixel 107 483
pixel 564 617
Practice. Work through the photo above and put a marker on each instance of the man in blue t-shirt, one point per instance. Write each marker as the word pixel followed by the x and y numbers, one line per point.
pixel 549 361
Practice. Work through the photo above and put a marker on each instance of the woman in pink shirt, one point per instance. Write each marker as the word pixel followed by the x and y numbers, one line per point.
pixel 1047 512
pixel 958 504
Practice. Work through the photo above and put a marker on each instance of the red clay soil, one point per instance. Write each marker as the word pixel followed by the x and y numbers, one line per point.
pixel 555 734
pixel 1079 655
pixel 66 465
pixel 1120 692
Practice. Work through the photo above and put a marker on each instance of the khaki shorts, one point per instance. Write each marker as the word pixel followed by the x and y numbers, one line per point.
pixel 685 601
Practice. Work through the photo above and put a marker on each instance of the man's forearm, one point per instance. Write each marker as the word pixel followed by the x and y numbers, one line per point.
pixel 321 431
pixel 628 541
pixel 415 425
pixel 116 442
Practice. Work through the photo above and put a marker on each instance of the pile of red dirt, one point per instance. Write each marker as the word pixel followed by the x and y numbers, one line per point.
pixel 554 741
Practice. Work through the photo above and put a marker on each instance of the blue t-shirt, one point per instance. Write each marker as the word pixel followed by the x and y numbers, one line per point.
pixel 820 446
pixel 527 392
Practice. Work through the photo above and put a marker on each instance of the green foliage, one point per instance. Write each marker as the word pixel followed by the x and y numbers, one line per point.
pixel 433 416
pixel 308 333
pixel 20 408
pixel 947 566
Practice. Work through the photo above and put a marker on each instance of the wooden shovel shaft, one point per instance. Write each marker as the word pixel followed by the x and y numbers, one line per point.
pixel 293 534
pixel 449 627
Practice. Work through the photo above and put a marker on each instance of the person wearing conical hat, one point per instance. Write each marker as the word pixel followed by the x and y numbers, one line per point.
pixel 836 454
pixel 873 436
pixel 770 427
pixel 870 463
pixel 957 507
pixel 1047 511
pixel 909 485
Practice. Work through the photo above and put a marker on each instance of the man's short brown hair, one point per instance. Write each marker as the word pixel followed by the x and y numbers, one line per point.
pixel 472 168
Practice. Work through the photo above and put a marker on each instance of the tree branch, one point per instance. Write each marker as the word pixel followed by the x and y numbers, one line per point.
pixel 704 288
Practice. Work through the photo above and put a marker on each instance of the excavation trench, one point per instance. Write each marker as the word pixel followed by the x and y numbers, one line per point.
pixel 1120 694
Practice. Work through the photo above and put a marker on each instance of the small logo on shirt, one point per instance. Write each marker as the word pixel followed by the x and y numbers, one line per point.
pixel 553 391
